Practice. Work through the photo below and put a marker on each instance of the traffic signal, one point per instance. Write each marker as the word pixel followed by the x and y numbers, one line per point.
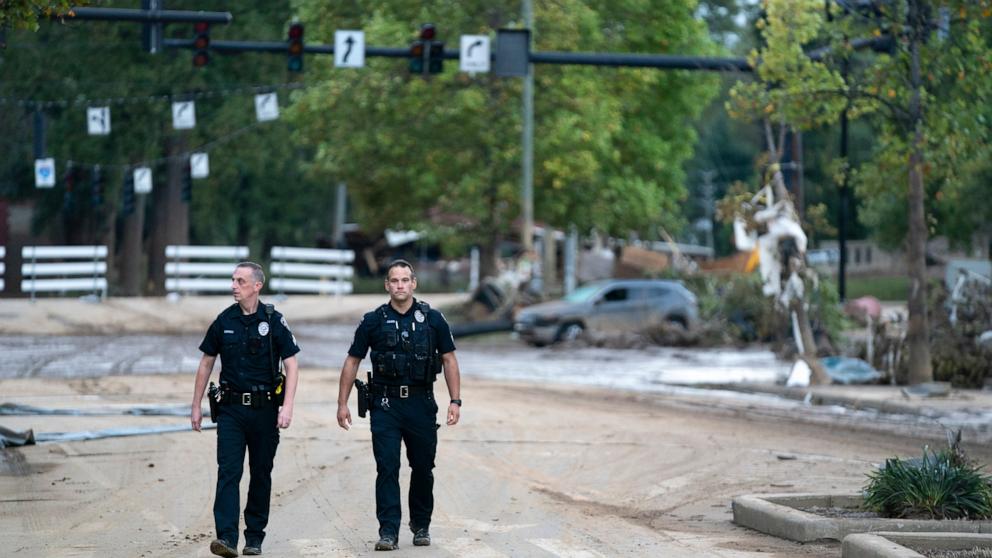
pixel 295 48
pixel 71 174
pixel 435 55
pixel 423 49
pixel 127 193
pixel 417 57
pixel 201 42
pixel 96 187
pixel 186 193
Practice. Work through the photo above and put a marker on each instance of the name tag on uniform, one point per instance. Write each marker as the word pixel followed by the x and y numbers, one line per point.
pixel 230 331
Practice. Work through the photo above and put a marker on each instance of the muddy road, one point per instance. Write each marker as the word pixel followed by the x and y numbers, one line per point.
pixel 532 470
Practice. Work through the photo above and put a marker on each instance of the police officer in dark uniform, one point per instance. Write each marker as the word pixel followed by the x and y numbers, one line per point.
pixel 250 338
pixel 410 343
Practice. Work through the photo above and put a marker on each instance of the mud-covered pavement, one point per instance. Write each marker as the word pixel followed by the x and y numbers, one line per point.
pixel 325 344
pixel 571 451
pixel 530 471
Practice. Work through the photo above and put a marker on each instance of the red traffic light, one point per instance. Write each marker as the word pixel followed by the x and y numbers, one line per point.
pixel 296 32
pixel 427 31
pixel 201 42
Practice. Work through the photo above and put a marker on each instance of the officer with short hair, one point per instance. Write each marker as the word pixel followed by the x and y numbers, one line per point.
pixel 250 338
pixel 410 343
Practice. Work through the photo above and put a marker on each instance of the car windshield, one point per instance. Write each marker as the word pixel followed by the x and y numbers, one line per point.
pixel 583 293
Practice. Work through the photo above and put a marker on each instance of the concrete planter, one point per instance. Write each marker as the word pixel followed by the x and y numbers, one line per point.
pixel 778 514
pixel 909 545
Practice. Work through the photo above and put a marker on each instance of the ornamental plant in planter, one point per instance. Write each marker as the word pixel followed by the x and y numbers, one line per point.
pixel 940 485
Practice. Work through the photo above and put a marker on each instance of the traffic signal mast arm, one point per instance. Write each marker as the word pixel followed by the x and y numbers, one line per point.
pixel 574 58
pixel 144 16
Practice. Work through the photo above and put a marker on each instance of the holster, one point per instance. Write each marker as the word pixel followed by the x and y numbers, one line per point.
pixel 364 397
pixel 213 399
pixel 279 394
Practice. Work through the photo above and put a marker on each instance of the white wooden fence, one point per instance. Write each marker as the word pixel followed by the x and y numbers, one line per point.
pixel 58 270
pixel 186 276
pixel 311 270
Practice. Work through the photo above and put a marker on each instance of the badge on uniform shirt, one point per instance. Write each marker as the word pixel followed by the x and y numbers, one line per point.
pixel 419 316
pixel 263 328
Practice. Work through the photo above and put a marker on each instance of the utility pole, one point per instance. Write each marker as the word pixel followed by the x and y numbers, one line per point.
pixel 797 173
pixel 339 215
pixel 708 195
pixel 527 147
pixel 844 196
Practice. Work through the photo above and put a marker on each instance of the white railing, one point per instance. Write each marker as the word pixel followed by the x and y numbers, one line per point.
pixel 311 270
pixel 185 276
pixel 40 274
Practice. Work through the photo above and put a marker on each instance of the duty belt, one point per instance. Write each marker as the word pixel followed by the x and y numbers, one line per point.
pixel 247 398
pixel 400 391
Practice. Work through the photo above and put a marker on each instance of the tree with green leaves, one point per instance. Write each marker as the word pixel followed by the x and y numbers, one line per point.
pixel 257 193
pixel 25 14
pixel 443 153
pixel 926 90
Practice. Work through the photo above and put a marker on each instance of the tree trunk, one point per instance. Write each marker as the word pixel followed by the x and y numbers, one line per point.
pixel 918 331
pixel 170 215
pixel 132 256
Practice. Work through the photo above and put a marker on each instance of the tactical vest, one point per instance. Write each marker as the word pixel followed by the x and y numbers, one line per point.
pixel 403 356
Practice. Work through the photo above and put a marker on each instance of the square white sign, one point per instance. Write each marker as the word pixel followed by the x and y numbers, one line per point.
pixel 142 180
pixel 473 55
pixel 266 107
pixel 199 165
pixel 98 121
pixel 44 173
pixel 183 115
pixel 349 49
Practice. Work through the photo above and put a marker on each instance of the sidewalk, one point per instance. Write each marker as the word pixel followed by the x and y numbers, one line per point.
pixel 887 399
pixel 188 314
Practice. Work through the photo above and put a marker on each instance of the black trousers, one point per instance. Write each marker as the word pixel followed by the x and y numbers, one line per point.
pixel 411 420
pixel 238 428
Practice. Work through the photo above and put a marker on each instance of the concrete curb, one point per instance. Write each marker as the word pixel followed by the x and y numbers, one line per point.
pixel 850 402
pixel 905 545
pixel 777 514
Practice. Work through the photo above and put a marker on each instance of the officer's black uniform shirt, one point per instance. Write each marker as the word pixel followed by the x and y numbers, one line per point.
pixel 242 341
pixel 369 332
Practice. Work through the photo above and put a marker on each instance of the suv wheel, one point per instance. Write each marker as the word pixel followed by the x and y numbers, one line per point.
pixel 570 332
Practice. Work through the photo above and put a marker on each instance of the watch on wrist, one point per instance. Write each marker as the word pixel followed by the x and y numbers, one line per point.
pixel 457 402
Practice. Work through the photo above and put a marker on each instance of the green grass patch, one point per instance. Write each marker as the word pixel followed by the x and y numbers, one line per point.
pixel 883 288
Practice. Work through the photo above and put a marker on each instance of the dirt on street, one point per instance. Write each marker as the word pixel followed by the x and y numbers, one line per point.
pixel 530 471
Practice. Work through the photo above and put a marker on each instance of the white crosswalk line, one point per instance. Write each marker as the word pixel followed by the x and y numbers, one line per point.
pixel 466 546
pixel 563 549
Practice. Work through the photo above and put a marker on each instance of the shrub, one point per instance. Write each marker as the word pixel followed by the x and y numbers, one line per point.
pixel 941 485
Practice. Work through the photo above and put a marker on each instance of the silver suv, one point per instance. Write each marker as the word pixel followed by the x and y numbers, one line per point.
pixel 614 305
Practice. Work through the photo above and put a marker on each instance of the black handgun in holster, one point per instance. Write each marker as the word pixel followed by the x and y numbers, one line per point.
pixel 213 398
pixel 364 395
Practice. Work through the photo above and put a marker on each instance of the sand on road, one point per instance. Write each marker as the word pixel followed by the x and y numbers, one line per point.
pixel 530 471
